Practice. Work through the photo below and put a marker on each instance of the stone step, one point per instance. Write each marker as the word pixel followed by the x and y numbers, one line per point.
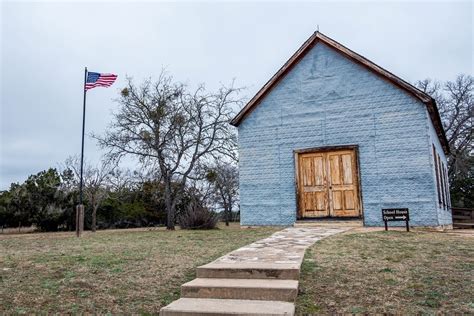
pixel 242 289
pixel 207 306
pixel 249 271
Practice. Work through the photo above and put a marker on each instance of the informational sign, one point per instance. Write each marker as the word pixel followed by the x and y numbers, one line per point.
pixel 396 215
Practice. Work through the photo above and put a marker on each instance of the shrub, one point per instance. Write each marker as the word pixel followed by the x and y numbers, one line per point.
pixel 196 216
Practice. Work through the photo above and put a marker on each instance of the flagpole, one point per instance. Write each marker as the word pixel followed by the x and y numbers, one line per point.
pixel 80 207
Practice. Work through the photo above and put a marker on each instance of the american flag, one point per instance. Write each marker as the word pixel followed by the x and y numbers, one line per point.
pixel 95 79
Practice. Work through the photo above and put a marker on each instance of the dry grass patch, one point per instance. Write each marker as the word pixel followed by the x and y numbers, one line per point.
pixel 388 272
pixel 120 271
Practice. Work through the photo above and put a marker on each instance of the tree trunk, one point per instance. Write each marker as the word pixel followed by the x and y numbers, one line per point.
pixel 229 212
pixel 226 213
pixel 94 218
pixel 170 212
pixel 227 219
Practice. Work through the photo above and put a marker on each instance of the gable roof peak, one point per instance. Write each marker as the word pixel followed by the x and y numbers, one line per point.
pixel 385 74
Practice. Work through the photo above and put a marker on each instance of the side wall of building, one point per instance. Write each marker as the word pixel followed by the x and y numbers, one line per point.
pixel 329 100
pixel 443 209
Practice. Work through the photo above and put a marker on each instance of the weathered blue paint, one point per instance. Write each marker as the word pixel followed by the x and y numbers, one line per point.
pixel 327 100
pixel 444 213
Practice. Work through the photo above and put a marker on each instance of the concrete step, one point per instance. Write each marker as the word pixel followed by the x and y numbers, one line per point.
pixel 207 306
pixel 243 289
pixel 249 271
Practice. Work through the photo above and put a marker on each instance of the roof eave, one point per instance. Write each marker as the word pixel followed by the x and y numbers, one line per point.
pixel 385 74
pixel 432 107
pixel 309 43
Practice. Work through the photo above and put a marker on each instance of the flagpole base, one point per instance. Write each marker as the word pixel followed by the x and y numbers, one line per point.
pixel 79 220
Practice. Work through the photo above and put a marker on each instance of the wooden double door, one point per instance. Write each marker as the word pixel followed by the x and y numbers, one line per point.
pixel 328 184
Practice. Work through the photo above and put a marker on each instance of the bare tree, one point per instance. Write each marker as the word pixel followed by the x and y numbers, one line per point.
pixel 225 179
pixel 96 182
pixel 455 100
pixel 171 129
pixel 123 179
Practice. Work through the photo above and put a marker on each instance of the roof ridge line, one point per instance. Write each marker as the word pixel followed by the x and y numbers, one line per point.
pixel 355 57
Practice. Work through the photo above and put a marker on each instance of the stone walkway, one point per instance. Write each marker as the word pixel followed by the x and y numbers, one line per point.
pixel 284 247
pixel 257 279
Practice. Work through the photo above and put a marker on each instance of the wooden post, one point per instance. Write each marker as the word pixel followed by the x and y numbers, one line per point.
pixel 386 228
pixel 79 220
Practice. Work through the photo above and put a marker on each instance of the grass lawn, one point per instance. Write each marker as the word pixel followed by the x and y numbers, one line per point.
pixel 389 272
pixel 119 271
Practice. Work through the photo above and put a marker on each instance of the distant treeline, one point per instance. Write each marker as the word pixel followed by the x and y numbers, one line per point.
pixel 47 201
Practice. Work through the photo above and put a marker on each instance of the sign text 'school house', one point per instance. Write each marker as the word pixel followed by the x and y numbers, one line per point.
pixel 331 134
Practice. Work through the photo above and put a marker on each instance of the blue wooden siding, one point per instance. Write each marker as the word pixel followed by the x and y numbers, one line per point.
pixel 329 100
pixel 443 213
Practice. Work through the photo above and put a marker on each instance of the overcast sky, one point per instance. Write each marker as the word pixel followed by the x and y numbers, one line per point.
pixel 45 46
